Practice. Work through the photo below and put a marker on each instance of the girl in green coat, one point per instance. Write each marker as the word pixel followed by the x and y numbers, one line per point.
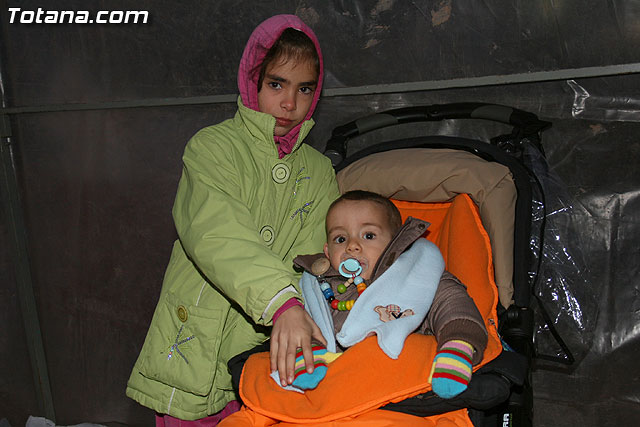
pixel 251 197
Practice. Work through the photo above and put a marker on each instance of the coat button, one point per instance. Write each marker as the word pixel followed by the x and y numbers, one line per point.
pixel 267 234
pixel 280 173
pixel 183 315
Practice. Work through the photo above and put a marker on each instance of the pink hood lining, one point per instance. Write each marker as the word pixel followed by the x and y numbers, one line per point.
pixel 259 43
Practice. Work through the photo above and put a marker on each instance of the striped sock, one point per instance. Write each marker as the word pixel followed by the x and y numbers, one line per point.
pixel 321 358
pixel 451 370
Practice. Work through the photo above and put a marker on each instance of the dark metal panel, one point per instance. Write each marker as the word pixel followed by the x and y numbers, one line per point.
pixel 99 192
pixel 192 48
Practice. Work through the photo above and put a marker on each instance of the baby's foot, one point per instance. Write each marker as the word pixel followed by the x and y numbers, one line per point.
pixel 321 358
pixel 451 370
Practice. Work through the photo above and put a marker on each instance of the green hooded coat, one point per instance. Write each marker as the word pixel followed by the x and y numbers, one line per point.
pixel 242 215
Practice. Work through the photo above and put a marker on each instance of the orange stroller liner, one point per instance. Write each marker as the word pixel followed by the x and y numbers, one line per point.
pixel 364 378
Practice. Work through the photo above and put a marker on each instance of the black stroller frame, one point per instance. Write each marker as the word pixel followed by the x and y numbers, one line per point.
pixel 500 393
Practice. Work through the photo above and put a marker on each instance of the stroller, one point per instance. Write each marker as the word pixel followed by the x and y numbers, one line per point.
pixel 478 198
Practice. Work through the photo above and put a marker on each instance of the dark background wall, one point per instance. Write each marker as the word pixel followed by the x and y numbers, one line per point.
pixel 100 115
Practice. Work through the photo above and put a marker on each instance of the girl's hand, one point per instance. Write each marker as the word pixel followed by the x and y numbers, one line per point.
pixel 292 330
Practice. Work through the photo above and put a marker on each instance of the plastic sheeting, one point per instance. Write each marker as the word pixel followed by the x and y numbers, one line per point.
pixel 97 186
pixel 589 104
pixel 567 302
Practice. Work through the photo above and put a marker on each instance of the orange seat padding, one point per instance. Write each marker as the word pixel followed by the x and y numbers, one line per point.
pixel 457 230
pixel 364 378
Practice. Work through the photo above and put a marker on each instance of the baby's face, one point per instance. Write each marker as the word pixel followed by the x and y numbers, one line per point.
pixel 357 229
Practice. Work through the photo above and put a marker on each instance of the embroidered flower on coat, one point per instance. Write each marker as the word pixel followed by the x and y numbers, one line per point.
pixel 299 180
pixel 302 212
pixel 178 342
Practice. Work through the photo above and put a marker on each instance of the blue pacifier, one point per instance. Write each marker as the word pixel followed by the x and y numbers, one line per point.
pixel 350 268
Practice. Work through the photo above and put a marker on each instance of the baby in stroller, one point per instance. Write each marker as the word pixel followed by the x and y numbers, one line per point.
pixel 366 243
pixel 365 377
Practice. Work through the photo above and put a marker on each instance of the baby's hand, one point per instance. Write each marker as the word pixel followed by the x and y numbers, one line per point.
pixel 294 329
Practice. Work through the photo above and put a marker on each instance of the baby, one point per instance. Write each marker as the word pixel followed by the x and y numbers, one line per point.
pixel 365 238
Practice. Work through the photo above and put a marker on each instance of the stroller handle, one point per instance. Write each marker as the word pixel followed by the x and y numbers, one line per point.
pixel 527 123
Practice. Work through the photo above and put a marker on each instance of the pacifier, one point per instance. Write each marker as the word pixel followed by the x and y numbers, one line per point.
pixel 350 268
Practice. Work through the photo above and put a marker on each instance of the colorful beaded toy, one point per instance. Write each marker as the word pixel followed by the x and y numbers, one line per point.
pixel 350 269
